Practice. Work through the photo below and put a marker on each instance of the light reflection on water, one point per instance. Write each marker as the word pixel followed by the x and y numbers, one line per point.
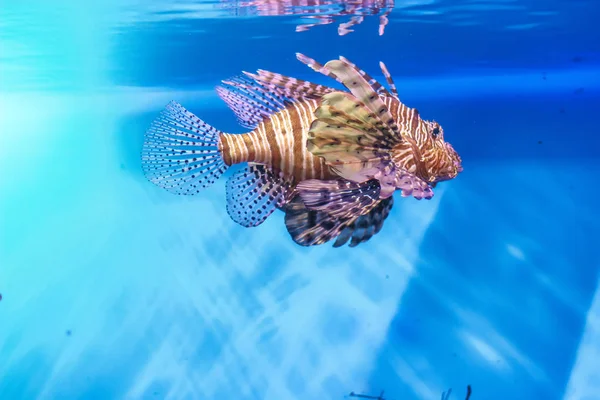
pixel 114 289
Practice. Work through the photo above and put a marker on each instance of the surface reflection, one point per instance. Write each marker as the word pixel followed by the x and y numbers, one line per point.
pixel 320 12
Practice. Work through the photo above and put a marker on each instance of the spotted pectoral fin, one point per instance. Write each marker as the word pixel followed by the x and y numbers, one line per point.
pixel 339 197
pixel 365 92
pixel 346 158
pixel 410 184
pixel 376 86
pixel 254 192
pixel 343 108
pixel 348 111
pixel 313 227
pixel 349 137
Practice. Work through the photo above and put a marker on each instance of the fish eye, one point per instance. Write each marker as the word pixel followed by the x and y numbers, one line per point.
pixel 436 131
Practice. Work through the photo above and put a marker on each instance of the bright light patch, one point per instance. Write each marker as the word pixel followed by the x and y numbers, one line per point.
pixel 515 252
pixel 485 350
pixel 584 383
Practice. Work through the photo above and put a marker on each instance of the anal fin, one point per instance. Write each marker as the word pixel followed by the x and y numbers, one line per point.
pixel 254 192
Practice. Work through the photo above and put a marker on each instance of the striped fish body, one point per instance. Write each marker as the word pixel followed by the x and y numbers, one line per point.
pixel 279 142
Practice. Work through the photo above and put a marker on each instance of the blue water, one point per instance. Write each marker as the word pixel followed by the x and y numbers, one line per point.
pixel 112 288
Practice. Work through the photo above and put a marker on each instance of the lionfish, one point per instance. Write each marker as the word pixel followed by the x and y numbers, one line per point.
pixel 330 159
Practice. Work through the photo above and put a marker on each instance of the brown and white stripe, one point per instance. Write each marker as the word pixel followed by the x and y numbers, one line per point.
pixel 407 120
pixel 280 142
pixel 419 153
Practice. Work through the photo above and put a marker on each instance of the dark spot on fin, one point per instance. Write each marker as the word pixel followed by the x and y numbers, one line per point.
pixel 250 102
pixel 349 137
pixel 389 79
pixel 365 90
pixel 254 192
pixel 180 152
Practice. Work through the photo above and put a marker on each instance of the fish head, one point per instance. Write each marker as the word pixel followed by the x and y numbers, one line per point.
pixel 442 162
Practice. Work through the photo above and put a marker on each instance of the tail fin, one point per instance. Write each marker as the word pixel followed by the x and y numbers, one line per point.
pixel 180 152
